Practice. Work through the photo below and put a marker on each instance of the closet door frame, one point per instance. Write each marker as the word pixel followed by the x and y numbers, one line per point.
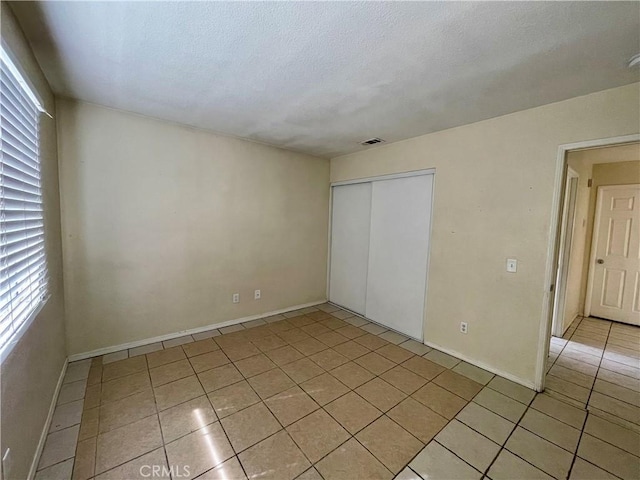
pixel 413 173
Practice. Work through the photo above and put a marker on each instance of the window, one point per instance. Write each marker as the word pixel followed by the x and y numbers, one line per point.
pixel 23 266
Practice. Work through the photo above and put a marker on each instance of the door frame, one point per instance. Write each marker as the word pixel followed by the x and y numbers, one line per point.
pixel 392 176
pixel 544 334
pixel 564 254
pixel 594 239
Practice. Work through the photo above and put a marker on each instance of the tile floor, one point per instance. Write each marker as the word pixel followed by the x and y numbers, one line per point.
pixel 318 393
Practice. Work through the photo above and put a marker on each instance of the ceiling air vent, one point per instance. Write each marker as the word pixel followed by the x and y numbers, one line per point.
pixel 372 141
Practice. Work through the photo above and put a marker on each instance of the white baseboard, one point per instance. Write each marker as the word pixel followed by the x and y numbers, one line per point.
pixel 47 423
pixel 484 366
pixel 169 336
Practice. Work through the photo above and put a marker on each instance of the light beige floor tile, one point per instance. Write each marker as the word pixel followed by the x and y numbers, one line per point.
pixel 276 458
pixel 253 323
pixel 206 334
pixel 174 342
pixel 619 379
pixel 351 331
pixel 66 415
pixel 351 350
pixel 309 346
pixel 512 389
pixel 435 462
pixel 144 349
pixel 352 374
pixel 608 457
pixel 219 377
pixel 127 410
pixel 544 455
pixel 240 351
pixel 577 365
pixel 85 460
pixel 615 407
pixel 126 443
pixel 475 449
pixel 115 357
pixel 281 326
pixel 302 370
pixel 254 365
pixel 351 460
pixel 395 353
pixel 403 379
pixel 620 368
pixel 394 337
pixel 415 347
pixel 581 356
pixel 328 308
pixel 73 391
pixel 284 355
pixel 324 388
pixel 618 392
pixel 389 443
pixel 441 358
pixel 509 467
pixel 249 426
pixel 501 404
pixel 270 383
pixel 125 386
pixel 342 314
pixel 232 398
pixel 490 424
pixel 95 375
pixel 142 467
pixel 458 384
pixel 408 474
pixel 551 429
pixel 315 329
pixel 560 410
pixel 59 471
pixel 380 394
pixel 274 318
pixel 59 446
pixel 170 372
pixel 572 376
pixel 229 470
pixel 207 361
pixel 294 335
pixel 440 400
pixel 268 342
pixel 185 418
pixel 200 347
pixel 201 450
pixel 317 434
pixel 617 435
pixel 352 412
pixel 328 359
pixel 371 341
pixel 177 392
pixel 162 357
pixel 474 373
pixel 291 405
pixel 376 364
pixel 311 474
pixel 124 367
pixel 420 421
pixel 583 470
pixel 301 321
pixel 567 389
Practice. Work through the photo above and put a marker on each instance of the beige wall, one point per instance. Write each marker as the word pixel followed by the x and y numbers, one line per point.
pixel 493 200
pixel 163 223
pixel 30 374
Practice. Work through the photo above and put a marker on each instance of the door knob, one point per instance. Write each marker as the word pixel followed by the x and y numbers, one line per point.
pixel 600 261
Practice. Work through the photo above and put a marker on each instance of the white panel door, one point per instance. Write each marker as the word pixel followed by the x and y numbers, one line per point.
pixel 398 253
pixel 615 292
pixel 351 214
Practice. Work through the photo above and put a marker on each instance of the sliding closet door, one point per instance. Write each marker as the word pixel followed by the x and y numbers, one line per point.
pixel 398 251
pixel 350 219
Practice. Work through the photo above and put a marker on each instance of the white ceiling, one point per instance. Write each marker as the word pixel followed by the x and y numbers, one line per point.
pixel 319 77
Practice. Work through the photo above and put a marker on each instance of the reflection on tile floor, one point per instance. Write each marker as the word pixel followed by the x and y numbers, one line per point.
pixel 318 393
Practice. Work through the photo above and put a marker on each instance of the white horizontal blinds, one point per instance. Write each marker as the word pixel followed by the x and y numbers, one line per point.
pixel 23 268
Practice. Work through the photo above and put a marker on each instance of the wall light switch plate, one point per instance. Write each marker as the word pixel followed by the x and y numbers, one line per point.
pixel 512 265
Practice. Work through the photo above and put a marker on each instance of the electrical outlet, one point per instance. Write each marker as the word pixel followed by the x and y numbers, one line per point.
pixel 236 298
pixel 256 295
pixel 464 327
pixel 512 265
